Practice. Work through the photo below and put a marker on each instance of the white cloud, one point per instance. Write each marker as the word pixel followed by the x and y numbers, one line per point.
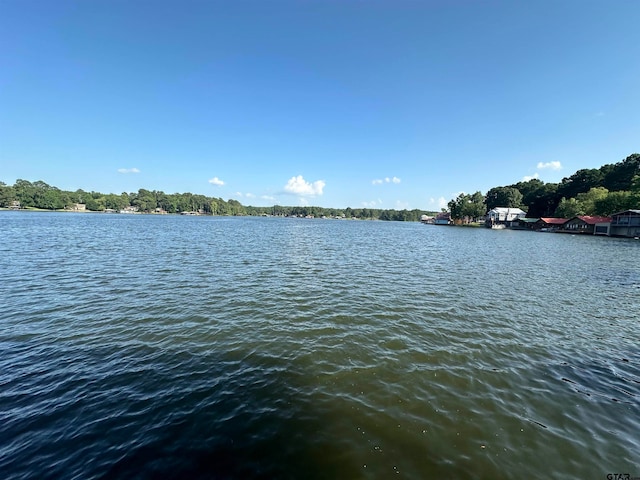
pixel 216 181
pixel 246 195
pixel 380 181
pixel 439 202
pixel 402 205
pixel 372 203
pixel 526 178
pixel 300 186
pixel 128 170
pixel 551 165
pixel 267 197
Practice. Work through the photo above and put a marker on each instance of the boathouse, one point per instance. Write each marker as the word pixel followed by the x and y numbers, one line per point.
pixel 625 224
pixel 550 224
pixel 585 224
pixel 443 218
pixel 526 223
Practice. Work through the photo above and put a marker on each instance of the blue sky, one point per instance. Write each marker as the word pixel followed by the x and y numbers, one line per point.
pixel 336 103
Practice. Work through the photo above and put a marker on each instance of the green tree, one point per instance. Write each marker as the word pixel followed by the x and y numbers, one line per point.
pixel 95 204
pixel 7 195
pixel 619 176
pixel 614 202
pixel 80 196
pixel 569 208
pixel 544 202
pixel 235 207
pixel 588 200
pixel 635 188
pixel 145 200
pixel 475 206
pixel 503 197
pixel 51 199
pixel 116 202
pixel 529 189
pixel 580 182
pixel 24 192
pixel 467 207
pixel 456 206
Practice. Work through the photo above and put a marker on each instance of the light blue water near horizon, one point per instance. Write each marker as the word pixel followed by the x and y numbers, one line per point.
pixel 208 347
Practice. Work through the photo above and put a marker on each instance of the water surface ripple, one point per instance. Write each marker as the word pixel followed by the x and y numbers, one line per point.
pixel 200 347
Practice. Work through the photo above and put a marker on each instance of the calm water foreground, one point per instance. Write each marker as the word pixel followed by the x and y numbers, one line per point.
pixel 200 347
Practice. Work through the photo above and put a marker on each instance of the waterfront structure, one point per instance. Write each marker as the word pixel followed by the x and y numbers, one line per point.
pixel 602 228
pixel 504 215
pixel 526 223
pixel 129 209
pixel 585 224
pixel 550 224
pixel 625 224
pixel 443 218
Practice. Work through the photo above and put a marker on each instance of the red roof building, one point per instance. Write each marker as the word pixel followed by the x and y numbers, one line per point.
pixel 550 223
pixel 584 224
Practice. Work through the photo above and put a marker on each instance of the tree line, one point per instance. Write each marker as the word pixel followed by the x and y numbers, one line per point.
pixel 596 191
pixel 43 196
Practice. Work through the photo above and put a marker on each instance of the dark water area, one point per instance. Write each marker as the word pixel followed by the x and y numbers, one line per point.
pixel 202 347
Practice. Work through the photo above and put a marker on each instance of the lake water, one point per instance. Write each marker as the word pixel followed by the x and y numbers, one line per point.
pixel 204 347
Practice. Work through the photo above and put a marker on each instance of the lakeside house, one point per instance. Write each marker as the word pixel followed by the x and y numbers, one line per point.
pixel 625 224
pixel 586 224
pixel 506 216
pixel 15 205
pixel 77 207
pixel 129 209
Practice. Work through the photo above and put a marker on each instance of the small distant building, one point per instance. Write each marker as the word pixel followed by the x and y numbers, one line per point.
pixel 443 218
pixel 15 205
pixel 77 207
pixel 527 223
pixel 160 211
pixel 584 224
pixel 549 224
pixel 625 224
pixel 129 209
pixel 427 219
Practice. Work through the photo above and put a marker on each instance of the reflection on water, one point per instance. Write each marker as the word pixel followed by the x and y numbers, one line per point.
pixel 149 347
